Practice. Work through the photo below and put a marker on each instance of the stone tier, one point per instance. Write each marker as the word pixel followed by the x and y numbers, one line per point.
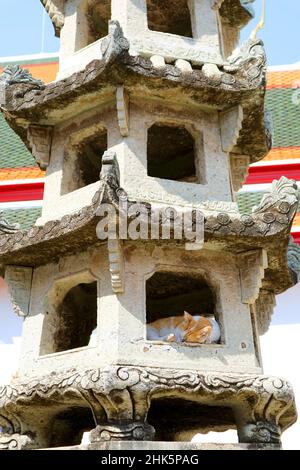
pixel 267 228
pixel 235 89
pixel 126 404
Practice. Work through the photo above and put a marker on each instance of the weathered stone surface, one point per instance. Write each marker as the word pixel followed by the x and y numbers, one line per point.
pixel 263 406
pixel 230 10
pixel 88 371
pixel 264 307
pixel 269 223
pixel 19 281
pixel 40 139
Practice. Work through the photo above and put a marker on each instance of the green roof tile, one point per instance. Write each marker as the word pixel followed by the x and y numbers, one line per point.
pixel 25 217
pixel 13 153
pixel 285 114
pixel 247 200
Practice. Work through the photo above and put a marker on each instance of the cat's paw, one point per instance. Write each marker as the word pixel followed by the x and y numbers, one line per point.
pixel 171 338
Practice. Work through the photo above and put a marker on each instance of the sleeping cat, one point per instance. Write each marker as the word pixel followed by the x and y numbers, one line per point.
pixel 185 329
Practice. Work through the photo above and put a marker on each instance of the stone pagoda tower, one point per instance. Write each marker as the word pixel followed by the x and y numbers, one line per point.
pixel 154 97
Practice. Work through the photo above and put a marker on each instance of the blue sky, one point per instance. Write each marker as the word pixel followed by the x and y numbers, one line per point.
pixel 21 29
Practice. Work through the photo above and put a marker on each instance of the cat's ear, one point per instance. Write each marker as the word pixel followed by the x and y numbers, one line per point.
pixel 187 316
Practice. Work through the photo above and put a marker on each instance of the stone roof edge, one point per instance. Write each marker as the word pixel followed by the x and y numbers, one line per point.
pixel 268 227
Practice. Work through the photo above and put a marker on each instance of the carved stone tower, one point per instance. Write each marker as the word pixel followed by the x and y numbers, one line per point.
pixel 154 97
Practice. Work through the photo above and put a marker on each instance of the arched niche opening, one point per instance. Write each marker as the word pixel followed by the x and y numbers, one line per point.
pixel 172 16
pixel 77 317
pixel 93 18
pixel 83 161
pixel 177 419
pixel 98 14
pixel 173 154
pixel 69 425
pixel 70 320
pixel 170 294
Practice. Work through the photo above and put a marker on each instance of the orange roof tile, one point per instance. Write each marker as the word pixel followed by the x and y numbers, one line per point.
pixel 44 71
pixel 283 153
pixel 8 174
pixel 283 79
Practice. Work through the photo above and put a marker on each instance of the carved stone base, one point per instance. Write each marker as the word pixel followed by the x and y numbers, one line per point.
pixel 135 446
pixel 260 432
pixel 122 432
pixel 174 446
pixel 127 403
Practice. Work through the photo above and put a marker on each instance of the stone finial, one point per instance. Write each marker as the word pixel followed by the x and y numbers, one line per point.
pixel 250 58
pixel 110 168
pixel 115 43
pixel 283 197
pixel 6 227
pixel 14 74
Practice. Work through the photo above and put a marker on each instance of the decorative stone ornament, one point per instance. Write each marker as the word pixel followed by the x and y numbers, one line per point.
pixel 6 227
pixel 40 139
pixel 19 281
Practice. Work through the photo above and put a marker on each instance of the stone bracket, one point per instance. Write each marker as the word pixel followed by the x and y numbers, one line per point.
pixel 231 122
pixel 123 110
pixel 137 431
pixel 263 309
pixel 19 280
pixel 40 140
pixel 116 265
pixel 239 170
pixel 252 271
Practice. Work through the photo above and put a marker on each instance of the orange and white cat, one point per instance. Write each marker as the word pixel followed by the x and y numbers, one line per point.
pixel 185 328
